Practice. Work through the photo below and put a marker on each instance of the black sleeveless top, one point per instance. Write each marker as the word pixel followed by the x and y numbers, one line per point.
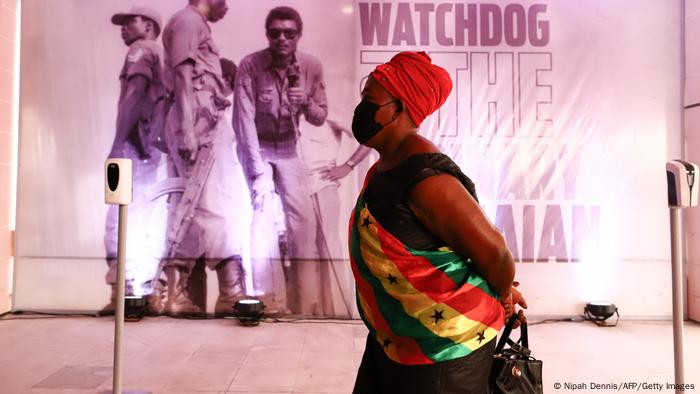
pixel 387 192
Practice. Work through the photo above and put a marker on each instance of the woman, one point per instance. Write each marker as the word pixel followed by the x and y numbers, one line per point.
pixel 434 277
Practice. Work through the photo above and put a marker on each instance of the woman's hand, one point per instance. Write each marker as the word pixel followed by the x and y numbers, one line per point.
pixel 515 297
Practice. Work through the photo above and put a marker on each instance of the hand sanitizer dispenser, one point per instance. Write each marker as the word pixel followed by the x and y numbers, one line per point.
pixel 118 188
pixel 682 181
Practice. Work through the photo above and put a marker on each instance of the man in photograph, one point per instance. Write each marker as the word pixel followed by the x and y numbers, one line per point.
pixel 140 88
pixel 275 87
pixel 204 223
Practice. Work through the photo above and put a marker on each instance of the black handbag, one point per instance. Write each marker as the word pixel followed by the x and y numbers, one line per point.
pixel 515 370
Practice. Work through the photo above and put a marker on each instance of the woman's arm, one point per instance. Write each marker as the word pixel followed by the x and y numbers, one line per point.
pixel 445 207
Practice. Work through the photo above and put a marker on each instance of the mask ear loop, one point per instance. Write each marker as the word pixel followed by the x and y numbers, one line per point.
pixel 390 122
pixel 398 111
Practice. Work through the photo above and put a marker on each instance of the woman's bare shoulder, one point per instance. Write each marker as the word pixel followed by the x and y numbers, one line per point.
pixel 419 144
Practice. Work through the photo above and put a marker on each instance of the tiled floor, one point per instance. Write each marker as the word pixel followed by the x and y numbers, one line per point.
pixel 163 355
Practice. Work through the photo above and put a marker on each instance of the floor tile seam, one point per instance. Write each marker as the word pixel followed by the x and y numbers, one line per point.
pixel 241 366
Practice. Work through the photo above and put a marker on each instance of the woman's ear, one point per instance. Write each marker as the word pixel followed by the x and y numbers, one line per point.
pixel 399 109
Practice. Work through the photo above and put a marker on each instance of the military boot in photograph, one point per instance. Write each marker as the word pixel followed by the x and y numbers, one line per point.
pixel 231 286
pixel 179 303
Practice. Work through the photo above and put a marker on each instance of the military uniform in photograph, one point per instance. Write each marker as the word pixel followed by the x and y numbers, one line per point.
pixel 215 232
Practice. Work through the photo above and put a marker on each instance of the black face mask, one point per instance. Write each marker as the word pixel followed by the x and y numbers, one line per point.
pixel 364 125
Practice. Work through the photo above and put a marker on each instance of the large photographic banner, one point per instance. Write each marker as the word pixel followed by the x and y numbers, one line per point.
pixel 554 118
pixel 562 112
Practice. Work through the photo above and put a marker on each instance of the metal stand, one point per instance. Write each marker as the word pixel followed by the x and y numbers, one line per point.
pixel 119 307
pixel 677 285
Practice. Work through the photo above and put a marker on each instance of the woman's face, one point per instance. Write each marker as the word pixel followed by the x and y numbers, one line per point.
pixel 374 93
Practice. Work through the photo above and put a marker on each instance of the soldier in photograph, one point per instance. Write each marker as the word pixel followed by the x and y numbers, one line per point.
pixel 204 223
pixel 140 89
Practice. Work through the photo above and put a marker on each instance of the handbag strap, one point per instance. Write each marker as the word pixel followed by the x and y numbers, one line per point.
pixel 506 334
pixel 505 337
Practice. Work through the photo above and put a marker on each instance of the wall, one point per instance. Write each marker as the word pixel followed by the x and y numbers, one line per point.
pixel 8 137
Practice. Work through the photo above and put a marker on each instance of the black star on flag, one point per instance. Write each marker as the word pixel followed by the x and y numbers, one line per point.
pixel 387 342
pixel 366 222
pixel 437 316
pixel 481 337
pixel 392 279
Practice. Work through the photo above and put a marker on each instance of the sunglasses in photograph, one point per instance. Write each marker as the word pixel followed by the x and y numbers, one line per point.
pixel 289 34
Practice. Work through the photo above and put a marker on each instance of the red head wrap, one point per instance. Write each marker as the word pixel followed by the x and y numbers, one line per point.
pixel 420 85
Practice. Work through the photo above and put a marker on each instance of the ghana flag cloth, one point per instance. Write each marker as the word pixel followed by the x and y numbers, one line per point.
pixel 422 306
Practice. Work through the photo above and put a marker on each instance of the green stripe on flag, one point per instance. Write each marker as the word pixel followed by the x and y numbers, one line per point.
pixel 461 271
